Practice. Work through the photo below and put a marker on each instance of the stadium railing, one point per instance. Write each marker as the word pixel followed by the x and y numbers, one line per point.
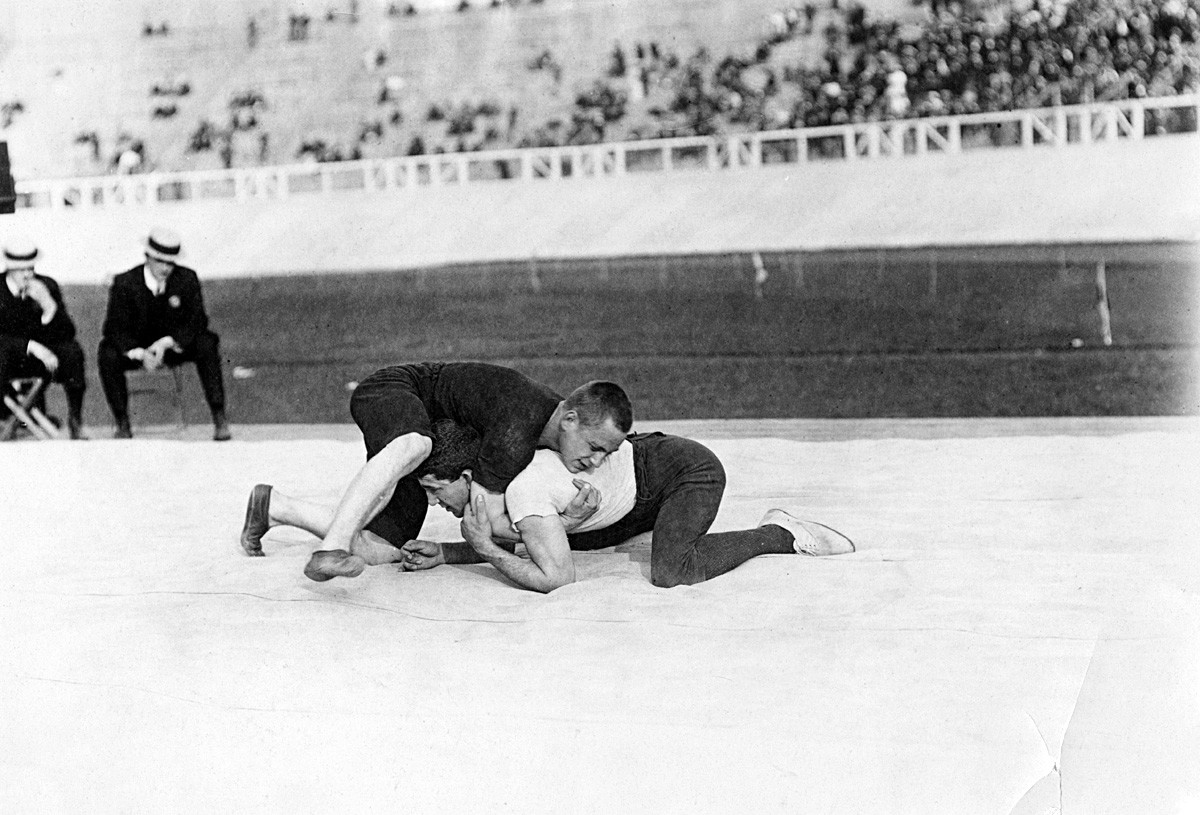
pixel 1097 123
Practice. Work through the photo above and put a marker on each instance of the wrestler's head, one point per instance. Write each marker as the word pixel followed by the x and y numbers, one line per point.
pixel 593 421
pixel 446 474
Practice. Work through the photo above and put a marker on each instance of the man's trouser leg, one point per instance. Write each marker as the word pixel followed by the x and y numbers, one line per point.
pixel 680 485
pixel 686 482
pixel 691 483
pixel 71 375
pixel 113 365
pixel 206 353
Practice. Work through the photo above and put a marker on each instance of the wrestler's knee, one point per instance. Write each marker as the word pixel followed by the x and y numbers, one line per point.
pixel 682 572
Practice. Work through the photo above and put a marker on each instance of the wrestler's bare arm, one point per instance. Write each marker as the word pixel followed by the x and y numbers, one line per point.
pixel 549 565
pixel 417 555
pixel 582 506
pixel 502 528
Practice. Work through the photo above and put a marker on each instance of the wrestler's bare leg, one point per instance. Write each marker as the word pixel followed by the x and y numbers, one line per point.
pixel 269 508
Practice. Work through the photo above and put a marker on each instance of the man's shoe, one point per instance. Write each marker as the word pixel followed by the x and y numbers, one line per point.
pixel 329 563
pixel 124 431
pixel 258 519
pixel 811 538
pixel 221 431
pixel 75 428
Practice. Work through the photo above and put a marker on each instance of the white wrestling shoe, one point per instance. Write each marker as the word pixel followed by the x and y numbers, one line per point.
pixel 811 538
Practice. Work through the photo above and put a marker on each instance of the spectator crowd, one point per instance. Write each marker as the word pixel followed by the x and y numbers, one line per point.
pixel 812 65
pixel 965 58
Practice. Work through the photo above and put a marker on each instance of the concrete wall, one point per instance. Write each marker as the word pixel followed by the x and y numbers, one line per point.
pixel 1132 192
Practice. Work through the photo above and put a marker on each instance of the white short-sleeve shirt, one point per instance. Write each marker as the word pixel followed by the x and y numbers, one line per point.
pixel 545 488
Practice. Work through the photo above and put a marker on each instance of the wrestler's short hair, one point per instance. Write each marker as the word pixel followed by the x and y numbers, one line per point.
pixel 597 400
pixel 455 449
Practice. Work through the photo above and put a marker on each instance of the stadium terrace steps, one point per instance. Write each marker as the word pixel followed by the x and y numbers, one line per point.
pixel 1124 193
pixel 85 66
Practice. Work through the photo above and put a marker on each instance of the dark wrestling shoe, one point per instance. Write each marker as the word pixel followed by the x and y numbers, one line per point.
pixel 258 519
pixel 221 432
pixel 811 538
pixel 124 431
pixel 326 564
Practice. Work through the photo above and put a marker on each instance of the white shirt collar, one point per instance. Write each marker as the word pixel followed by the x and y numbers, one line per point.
pixel 8 282
pixel 151 281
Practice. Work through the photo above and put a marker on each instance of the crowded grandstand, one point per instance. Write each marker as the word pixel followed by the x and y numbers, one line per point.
pixel 245 84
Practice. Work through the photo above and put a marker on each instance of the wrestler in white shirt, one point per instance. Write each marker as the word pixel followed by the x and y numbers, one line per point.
pixel 546 487
pixel 536 515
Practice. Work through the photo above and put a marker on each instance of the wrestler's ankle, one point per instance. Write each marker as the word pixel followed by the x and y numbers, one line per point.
pixel 375 553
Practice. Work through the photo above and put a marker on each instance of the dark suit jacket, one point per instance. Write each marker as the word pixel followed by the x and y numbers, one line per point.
pixel 21 320
pixel 136 318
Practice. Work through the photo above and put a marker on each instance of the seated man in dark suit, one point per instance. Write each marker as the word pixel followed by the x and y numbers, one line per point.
pixel 156 317
pixel 37 337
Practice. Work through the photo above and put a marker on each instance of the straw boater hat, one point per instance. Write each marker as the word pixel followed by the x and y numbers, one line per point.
pixel 19 255
pixel 163 244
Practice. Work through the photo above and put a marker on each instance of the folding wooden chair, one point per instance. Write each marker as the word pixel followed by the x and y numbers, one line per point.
pixel 21 396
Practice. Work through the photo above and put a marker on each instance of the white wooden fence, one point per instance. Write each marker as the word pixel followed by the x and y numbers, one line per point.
pixel 1105 122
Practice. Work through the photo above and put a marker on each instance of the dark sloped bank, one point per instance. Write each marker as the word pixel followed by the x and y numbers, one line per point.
pixel 973 332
